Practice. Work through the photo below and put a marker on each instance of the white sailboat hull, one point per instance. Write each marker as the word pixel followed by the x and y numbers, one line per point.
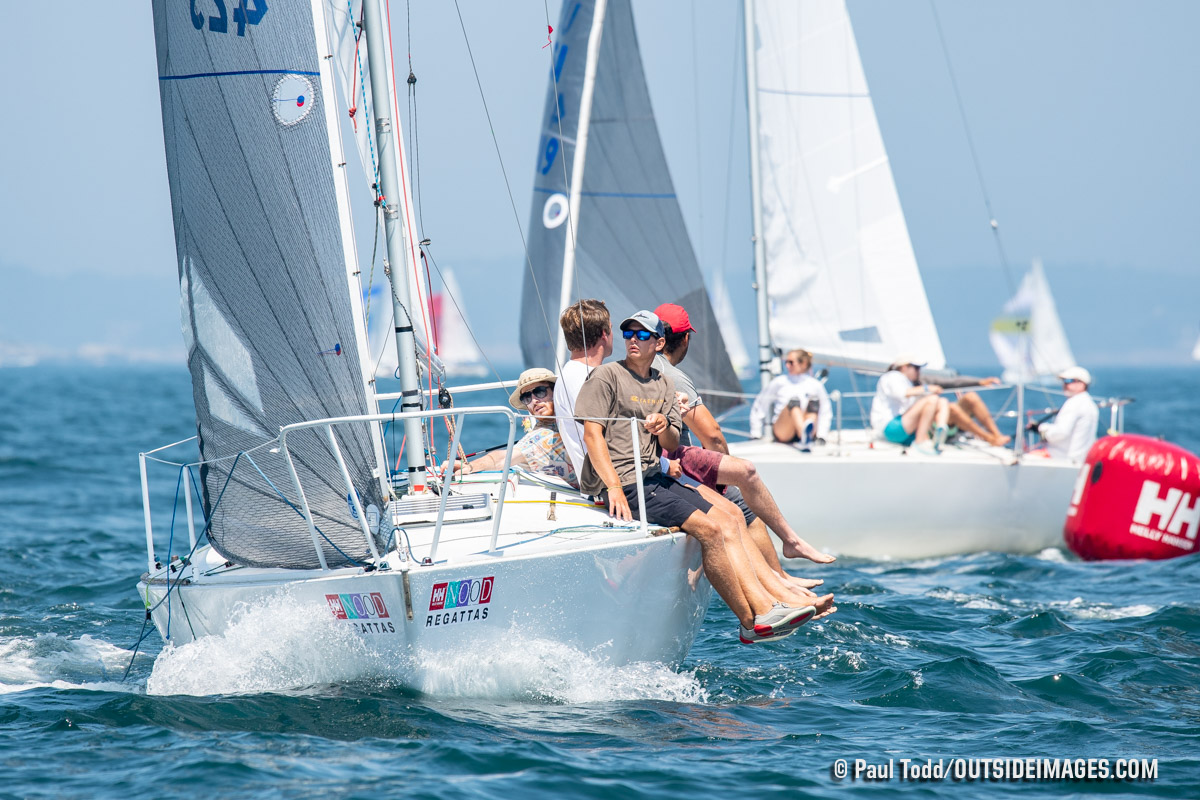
pixel 883 502
pixel 637 599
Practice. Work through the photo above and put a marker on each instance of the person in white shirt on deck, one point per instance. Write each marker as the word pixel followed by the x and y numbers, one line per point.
pixel 797 404
pixel 587 329
pixel 906 412
pixel 1073 431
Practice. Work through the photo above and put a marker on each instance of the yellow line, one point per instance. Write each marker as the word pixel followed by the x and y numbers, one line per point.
pixel 555 502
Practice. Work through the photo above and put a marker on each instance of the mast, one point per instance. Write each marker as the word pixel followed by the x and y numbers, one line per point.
pixel 765 354
pixel 399 251
pixel 581 134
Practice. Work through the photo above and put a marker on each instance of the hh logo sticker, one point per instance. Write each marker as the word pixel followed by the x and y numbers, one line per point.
pixel 459 601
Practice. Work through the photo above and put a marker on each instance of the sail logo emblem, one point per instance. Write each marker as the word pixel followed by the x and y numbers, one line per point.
pixel 357 606
pixel 460 594
pixel 1176 510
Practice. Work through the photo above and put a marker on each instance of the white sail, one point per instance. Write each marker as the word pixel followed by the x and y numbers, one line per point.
pixel 1196 350
pixel 841 273
pixel 727 321
pixel 1028 337
pixel 456 347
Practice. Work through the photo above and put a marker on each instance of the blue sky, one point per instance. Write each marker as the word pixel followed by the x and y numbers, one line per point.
pixel 1083 116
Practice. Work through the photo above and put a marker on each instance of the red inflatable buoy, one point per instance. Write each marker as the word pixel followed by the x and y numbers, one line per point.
pixel 1135 497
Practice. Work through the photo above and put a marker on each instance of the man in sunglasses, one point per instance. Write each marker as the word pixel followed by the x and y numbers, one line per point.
pixel 631 387
pixel 1073 431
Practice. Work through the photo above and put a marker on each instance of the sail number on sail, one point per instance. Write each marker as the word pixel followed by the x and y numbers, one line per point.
pixel 243 15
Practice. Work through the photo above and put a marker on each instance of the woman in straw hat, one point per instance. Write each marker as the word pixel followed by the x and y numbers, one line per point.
pixel 541 449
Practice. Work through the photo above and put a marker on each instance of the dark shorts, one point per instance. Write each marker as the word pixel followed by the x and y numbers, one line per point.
pixel 734 495
pixel 668 502
pixel 698 464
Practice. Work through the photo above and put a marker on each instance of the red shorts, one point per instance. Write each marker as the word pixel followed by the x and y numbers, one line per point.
pixel 698 464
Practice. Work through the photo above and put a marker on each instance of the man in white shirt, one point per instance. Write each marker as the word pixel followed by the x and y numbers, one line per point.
pixel 1072 433
pixel 587 329
pixel 905 411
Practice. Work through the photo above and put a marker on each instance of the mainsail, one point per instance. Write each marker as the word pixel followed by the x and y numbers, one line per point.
pixel 606 222
pixel 271 311
pixel 841 273
pixel 1028 337
pixel 718 293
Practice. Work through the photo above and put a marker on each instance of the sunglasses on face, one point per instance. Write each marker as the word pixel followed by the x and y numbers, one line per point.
pixel 540 392
pixel 642 336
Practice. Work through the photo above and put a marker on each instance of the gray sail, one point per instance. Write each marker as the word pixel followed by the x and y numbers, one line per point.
pixel 267 315
pixel 631 247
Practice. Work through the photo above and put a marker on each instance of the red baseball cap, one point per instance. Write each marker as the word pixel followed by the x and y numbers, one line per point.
pixel 674 315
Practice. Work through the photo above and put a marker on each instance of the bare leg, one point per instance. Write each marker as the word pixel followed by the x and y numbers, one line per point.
pixel 942 415
pixel 960 419
pixel 768 579
pixel 720 571
pixel 743 474
pixel 789 425
pixel 919 418
pixel 761 538
pixel 972 404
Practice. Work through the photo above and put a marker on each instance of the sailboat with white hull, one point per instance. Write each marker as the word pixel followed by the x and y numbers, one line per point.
pixel 297 501
pixel 832 248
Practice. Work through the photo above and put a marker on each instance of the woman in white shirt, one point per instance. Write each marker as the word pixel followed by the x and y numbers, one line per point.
pixel 906 412
pixel 797 403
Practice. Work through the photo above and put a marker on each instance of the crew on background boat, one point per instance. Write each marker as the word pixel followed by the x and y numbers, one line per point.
pixel 632 387
pixel 796 402
pixel 969 413
pixel 1073 430
pixel 587 330
pixel 541 449
pixel 711 464
pixel 906 412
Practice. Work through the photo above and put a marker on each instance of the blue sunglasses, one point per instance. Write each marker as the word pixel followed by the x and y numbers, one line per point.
pixel 642 335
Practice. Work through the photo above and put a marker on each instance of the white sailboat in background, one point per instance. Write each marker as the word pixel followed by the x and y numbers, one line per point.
pixel 1028 337
pixel 298 506
pixel 833 250
pixel 1196 350
pixel 455 345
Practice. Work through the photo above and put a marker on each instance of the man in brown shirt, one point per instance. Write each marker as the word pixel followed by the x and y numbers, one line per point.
pixel 631 387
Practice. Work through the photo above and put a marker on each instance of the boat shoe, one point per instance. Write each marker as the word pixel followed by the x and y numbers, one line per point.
pixel 781 621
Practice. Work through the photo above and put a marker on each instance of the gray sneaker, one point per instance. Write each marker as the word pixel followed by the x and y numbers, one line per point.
pixel 782 618
pixel 750 636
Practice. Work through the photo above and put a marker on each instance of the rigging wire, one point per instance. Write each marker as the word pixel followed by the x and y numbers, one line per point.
pixel 962 113
pixel 504 173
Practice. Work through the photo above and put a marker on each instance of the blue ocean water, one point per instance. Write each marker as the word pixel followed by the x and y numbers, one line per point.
pixel 981 656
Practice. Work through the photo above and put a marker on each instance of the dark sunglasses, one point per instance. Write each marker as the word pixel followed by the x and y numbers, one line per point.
pixel 539 392
pixel 642 335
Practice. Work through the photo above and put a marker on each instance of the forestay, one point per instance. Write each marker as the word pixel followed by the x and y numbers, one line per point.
pixel 354 83
pixel 841 273
pixel 627 243
pixel 271 311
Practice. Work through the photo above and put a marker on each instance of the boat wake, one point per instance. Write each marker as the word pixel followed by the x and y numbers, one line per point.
pixel 548 671
pixel 277 645
pixel 282 646
pixel 59 662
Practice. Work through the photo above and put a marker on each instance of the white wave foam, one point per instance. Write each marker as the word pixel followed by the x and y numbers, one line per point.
pixel 50 660
pixel 966 600
pixel 548 670
pixel 279 645
pixel 276 645
pixel 1082 609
